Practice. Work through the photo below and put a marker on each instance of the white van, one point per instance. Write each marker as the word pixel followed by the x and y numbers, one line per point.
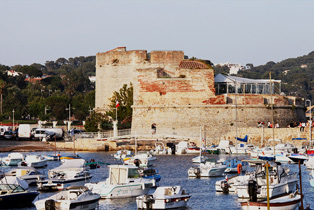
pixel 41 132
pixel 24 131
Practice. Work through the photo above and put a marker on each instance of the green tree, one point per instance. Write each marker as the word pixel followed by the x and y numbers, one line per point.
pixel 95 119
pixel 125 98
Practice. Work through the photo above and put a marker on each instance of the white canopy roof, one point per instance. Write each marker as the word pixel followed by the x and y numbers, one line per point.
pixel 233 79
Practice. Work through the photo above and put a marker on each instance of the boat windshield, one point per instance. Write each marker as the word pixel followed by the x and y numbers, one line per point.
pixel 133 173
pixel 11 188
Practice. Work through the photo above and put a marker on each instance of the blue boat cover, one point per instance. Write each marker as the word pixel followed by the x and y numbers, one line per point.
pixel 243 140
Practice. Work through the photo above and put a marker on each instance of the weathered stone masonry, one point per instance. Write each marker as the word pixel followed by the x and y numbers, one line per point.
pixel 179 95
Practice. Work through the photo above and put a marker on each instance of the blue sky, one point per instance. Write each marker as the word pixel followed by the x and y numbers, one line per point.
pixel 235 31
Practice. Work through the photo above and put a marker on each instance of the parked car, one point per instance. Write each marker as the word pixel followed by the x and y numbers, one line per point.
pixel 9 135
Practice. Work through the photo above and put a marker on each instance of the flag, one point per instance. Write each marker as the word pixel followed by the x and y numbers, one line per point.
pixel 227 177
pixel 117 104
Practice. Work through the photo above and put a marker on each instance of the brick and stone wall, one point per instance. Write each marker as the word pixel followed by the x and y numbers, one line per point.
pixel 179 95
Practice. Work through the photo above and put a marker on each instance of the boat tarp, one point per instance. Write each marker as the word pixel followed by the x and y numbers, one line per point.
pixel 14 180
pixel 70 164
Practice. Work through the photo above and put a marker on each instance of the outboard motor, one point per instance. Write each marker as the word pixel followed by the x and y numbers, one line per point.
pixel 252 188
pixel 137 162
pixel 148 200
pixel 225 186
pixel 197 172
pixel 50 205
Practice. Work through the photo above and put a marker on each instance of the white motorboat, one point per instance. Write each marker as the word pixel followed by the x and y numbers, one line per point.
pixel 36 161
pixel 199 159
pixel 29 174
pixel 13 159
pixel 238 149
pixel 123 181
pixel 122 154
pixel 280 182
pixel 75 198
pixel 229 184
pixel 70 173
pixel 167 197
pixel 286 202
pixel 208 169
pixel 141 159
pixel 15 196
pixel 298 158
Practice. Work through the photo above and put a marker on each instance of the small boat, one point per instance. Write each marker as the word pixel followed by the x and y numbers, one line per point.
pixel 71 198
pixel 122 154
pixel 70 173
pixel 29 174
pixel 285 202
pixel 12 159
pixel 199 159
pixel 36 161
pixel 213 150
pixel 52 157
pixel 298 158
pixel 69 157
pixel 235 165
pixel 193 149
pixel 141 159
pixel 124 181
pixel 14 196
pixel 167 197
pixel 208 169
pixel 281 181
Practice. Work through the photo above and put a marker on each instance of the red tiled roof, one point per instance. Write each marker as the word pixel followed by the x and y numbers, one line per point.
pixel 190 64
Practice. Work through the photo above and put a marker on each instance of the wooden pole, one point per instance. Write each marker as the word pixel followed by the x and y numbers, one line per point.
pixel 300 177
pixel 267 183
pixel 55 145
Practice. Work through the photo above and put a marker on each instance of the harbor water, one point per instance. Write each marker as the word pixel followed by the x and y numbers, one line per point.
pixel 173 170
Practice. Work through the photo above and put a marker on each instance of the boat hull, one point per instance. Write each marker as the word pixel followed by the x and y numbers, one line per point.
pixel 24 199
pixel 119 191
pixel 163 203
pixel 284 203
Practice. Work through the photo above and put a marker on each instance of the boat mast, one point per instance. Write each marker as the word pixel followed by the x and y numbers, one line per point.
pixel 272 112
pixel 200 144
pixel 236 115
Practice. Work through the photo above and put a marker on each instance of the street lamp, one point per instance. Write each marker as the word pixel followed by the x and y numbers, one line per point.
pixel 69 109
pixel 13 119
pixel 308 100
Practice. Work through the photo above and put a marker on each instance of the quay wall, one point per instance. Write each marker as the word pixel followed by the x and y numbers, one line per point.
pixel 214 120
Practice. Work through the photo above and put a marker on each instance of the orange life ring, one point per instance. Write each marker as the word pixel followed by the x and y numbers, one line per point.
pixel 239 167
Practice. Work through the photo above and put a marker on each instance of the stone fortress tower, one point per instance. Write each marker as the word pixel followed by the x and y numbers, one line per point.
pixel 179 95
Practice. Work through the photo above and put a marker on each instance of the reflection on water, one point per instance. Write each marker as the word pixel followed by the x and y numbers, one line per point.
pixel 173 170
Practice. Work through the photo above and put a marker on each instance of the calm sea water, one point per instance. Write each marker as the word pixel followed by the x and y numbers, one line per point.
pixel 173 170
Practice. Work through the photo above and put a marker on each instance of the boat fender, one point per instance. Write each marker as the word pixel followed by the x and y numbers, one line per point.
pixel 50 204
pixel 239 168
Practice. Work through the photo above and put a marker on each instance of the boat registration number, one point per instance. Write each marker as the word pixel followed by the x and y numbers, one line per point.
pixel 84 206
